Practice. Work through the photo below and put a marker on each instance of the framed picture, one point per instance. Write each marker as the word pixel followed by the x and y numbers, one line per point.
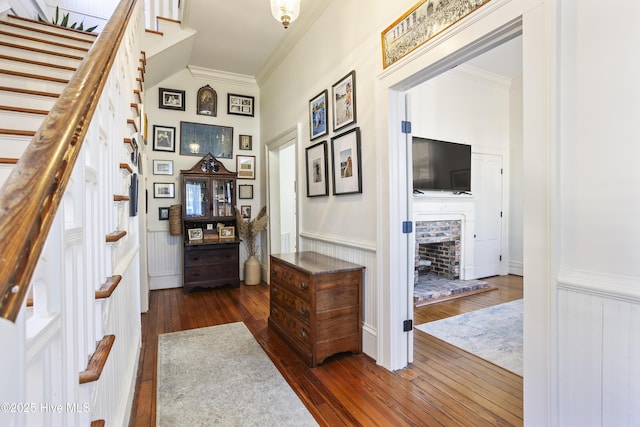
pixel 195 233
pixel 164 138
pixel 207 102
pixel 163 167
pixel 245 191
pixel 197 139
pixel 163 214
pixel 246 167
pixel 343 95
pixel 240 104
pixel 317 181
pixel 345 152
pixel 318 115
pixel 245 142
pixel 419 24
pixel 171 99
pixel 228 232
pixel 245 211
pixel 163 190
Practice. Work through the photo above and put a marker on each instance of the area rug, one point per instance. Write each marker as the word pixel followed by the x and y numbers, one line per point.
pixel 493 333
pixel 220 376
pixel 431 288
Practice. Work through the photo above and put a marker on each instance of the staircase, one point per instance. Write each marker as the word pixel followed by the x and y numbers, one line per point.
pixel 70 349
pixel 37 62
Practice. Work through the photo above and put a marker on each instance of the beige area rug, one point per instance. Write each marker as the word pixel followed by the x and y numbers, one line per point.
pixel 220 376
pixel 493 333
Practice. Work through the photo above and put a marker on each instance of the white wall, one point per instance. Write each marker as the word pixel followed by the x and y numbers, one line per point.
pixel 514 171
pixel 164 250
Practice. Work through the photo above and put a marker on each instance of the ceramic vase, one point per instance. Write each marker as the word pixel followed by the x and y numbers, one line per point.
pixel 252 271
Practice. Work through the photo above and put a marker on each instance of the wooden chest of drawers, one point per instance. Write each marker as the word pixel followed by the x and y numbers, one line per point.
pixel 316 304
pixel 211 265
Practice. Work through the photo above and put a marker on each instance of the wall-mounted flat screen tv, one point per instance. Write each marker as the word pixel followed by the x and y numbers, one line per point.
pixel 441 165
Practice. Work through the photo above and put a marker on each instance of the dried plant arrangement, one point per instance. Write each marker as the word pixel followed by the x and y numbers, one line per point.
pixel 250 229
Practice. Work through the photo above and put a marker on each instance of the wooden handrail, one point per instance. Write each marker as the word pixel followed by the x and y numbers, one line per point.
pixel 32 193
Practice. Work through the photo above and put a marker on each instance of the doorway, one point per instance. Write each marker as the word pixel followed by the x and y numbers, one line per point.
pixel 282 195
pixel 471 105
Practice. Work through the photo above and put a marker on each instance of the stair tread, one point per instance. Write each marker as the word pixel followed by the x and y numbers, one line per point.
pixel 63 30
pixel 39 63
pixel 45 32
pixel 39 50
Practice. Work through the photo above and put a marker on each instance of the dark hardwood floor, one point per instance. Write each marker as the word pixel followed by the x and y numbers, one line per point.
pixel 444 386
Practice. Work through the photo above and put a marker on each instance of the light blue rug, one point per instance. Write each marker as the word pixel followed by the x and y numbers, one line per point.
pixel 494 333
pixel 220 376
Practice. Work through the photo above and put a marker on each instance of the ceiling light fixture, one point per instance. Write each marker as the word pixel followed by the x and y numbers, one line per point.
pixel 285 11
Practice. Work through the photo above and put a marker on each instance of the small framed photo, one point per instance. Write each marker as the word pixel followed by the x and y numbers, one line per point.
pixel 195 233
pixel 228 232
pixel 171 99
pixel 317 181
pixel 245 142
pixel 163 167
pixel 163 214
pixel 245 191
pixel 207 102
pixel 240 104
pixel 246 167
pixel 164 138
pixel 343 95
pixel 345 153
pixel 318 115
pixel 245 211
pixel 163 190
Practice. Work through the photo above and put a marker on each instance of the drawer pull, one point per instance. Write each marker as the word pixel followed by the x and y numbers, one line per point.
pixel 274 291
pixel 274 270
pixel 304 310
pixel 304 334
pixel 303 285
pixel 195 258
pixel 274 310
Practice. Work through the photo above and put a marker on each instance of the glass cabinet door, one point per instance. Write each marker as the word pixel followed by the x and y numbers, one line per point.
pixel 195 197
pixel 222 190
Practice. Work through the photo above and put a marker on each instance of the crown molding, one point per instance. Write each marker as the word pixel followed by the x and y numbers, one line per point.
pixel 222 76
pixel 477 74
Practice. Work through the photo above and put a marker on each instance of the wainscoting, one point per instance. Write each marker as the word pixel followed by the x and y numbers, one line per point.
pixel 601 313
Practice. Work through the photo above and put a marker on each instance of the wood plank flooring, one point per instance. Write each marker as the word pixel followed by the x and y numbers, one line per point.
pixel 444 386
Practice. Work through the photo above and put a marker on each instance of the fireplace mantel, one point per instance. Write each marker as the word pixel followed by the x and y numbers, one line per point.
pixel 460 208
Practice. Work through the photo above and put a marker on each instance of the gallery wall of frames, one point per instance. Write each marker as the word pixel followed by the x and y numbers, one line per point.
pixel 186 117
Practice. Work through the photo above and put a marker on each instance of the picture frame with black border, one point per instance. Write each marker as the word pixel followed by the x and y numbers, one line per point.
pixel 245 142
pixel 343 99
pixel 164 138
pixel 246 167
pixel 171 99
pixel 245 191
pixel 317 170
pixel 207 102
pixel 163 190
pixel 163 213
pixel 162 167
pixel 245 211
pixel 346 162
pixel 241 105
pixel 318 108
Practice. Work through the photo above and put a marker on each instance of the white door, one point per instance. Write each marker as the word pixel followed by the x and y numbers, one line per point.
pixel 486 187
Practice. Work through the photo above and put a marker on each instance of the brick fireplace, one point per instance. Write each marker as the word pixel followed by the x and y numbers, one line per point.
pixel 438 248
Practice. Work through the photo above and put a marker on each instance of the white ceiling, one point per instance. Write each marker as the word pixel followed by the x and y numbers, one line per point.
pixel 242 37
